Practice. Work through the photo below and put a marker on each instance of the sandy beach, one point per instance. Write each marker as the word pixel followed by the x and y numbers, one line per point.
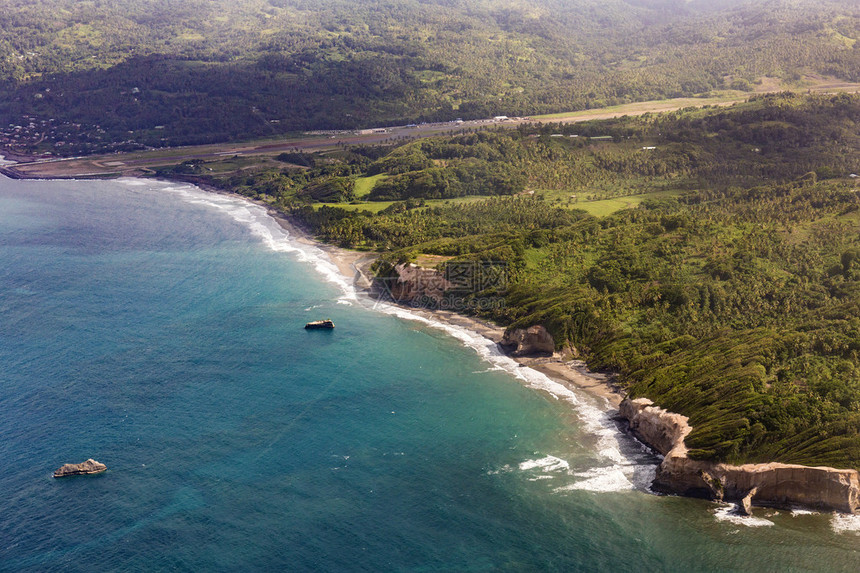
pixel 355 266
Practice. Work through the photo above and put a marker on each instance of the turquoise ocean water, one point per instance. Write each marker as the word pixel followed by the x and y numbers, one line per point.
pixel 158 329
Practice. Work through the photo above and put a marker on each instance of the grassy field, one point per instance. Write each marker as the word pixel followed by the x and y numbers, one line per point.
pixel 604 207
pixel 599 208
pixel 364 185
pixel 377 206
pixel 812 83
pixel 644 107
pixel 372 206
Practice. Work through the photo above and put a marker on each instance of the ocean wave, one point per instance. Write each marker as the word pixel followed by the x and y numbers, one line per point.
pixel 727 513
pixel 488 370
pixel 546 464
pixel 132 182
pixel 605 479
pixel 844 523
pixel 257 219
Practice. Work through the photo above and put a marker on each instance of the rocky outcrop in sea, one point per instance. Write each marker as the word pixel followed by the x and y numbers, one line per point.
pixel 88 467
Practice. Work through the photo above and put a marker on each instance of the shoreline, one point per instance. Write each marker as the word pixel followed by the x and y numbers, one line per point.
pixel 355 266
pixel 769 485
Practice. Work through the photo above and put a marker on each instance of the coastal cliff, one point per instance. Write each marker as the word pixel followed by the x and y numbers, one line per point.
pixel 772 484
pixel 407 283
pixel 534 340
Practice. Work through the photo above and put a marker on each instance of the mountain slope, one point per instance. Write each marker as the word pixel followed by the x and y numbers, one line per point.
pixel 219 70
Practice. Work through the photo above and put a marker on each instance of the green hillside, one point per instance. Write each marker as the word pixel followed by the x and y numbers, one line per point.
pixel 730 293
pixel 118 75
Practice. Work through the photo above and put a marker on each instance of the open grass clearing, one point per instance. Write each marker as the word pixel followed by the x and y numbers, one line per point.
pixel 364 185
pixel 377 206
pixel 604 207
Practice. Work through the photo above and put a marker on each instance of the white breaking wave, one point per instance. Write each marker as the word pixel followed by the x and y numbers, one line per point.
pixel 844 523
pixel 131 182
pixel 727 513
pixel 257 219
pixel 546 464
pixel 623 473
pixel 612 478
pixel 488 370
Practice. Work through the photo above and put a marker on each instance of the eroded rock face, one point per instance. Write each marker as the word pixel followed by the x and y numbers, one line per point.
pixel 745 504
pixel 414 284
pixel 528 341
pixel 658 428
pixel 88 467
pixel 773 484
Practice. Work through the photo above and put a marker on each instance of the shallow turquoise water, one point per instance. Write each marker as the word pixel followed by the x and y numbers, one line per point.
pixel 159 330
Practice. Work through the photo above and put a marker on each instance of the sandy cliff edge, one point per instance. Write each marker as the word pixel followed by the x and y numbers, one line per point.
pixel 771 484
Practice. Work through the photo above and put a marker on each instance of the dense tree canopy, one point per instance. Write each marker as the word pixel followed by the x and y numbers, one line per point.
pixel 158 72
pixel 731 294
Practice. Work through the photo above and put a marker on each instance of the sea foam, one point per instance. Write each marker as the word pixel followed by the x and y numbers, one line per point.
pixel 605 479
pixel 546 464
pixel 257 219
pixel 843 523
pixel 727 512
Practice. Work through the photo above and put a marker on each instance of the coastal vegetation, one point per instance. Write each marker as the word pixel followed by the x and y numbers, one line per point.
pixel 85 77
pixel 729 294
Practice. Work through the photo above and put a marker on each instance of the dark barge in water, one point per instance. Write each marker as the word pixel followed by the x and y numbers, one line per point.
pixel 327 323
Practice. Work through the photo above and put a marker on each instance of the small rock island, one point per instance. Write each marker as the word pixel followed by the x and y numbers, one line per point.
pixel 88 467
pixel 327 323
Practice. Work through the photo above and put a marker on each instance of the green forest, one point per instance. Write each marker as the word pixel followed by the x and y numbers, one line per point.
pixel 81 77
pixel 730 293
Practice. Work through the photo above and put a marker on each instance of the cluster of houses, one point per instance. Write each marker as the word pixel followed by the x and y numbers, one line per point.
pixel 31 131
pixel 31 134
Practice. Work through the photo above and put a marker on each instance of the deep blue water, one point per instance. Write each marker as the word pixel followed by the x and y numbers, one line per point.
pixel 158 330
